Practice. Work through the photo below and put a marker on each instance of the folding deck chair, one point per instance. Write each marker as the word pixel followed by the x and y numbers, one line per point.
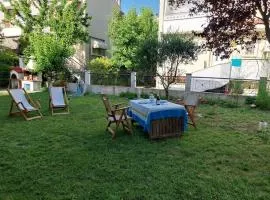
pixel 24 104
pixel 117 115
pixel 58 103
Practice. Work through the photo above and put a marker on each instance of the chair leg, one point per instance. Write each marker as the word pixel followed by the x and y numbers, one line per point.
pixel 111 130
pixel 109 124
pixel 191 112
pixel 11 108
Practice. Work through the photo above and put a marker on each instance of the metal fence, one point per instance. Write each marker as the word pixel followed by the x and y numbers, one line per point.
pixel 116 79
pixel 248 87
pixel 145 80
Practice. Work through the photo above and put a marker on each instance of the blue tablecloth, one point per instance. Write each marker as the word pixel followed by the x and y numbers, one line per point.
pixel 143 112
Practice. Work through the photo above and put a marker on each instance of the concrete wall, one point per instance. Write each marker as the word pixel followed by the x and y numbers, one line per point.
pixel 177 94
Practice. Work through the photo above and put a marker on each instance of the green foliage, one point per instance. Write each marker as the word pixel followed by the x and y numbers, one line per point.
pixel 128 32
pixel 4 74
pixel 250 100
pixel 4 67
pixel 222 102
pixel 101 65
pixel 263 97
pixel 265 135
pixel 174 49
pixel 66 19
pixel 236 87
pixel 8 57
pixel 147 56
pixel 49 52
pixel 144 96
pixel 128 95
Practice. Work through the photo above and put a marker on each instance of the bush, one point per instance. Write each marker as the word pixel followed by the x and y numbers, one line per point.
pixel 101 65
pixel 222 103
pixel 250 100
pixel 8 57
pixel 128 95
pixel 4 74
pixel 59 83
pixel 144 96
pixel 263 98
pixel 236 87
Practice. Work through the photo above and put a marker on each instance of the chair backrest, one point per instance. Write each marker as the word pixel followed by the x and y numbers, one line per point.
pixel 18 95
pixel 107 105
pixel 191 99
pixel 57 96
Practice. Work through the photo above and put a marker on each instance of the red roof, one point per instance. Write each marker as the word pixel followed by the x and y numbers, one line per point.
pixel 18 69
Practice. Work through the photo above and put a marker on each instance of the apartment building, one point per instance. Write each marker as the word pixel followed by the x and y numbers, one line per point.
pixel 173 19
pixel 99 43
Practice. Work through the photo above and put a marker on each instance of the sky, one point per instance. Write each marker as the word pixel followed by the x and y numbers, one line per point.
pixel 128 4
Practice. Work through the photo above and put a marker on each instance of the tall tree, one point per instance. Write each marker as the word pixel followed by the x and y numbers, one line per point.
pixel 66 19
pixel 174 49
pixel 231 22
pixel 50 52
pixel 128 32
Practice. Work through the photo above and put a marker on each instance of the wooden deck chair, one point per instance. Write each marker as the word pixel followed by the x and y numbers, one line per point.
pixel 58 103
pixel 116 115
pixel 190 102
pixel 24 104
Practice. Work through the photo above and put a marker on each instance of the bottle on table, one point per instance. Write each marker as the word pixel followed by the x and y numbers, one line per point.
pixel 158 100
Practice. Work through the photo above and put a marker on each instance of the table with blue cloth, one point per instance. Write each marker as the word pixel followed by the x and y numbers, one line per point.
pixel 164 120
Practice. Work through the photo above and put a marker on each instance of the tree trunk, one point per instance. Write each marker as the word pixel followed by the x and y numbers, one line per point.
pixel 166 93
pixel 267 28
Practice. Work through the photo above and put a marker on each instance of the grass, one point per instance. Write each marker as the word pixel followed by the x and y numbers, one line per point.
pixel 72 157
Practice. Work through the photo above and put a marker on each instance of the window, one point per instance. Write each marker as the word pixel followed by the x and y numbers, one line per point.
pixel 98 52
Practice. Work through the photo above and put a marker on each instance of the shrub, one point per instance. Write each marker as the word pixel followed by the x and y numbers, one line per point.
pixel 8 57
pixel 101 65
pixel 263 98
pixel 236 87
pixel 128 95
pixel 144 96
pixel 222 103
pixel 59 83
pixel 250 100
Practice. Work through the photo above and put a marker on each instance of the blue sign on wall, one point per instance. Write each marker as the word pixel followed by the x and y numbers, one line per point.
pixel 236 62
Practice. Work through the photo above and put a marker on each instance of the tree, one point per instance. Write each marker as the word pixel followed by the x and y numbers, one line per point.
pixel 128 32
pixel 66 19
pixel 147 56
pixel 50 52
pixel 173 50
pixel 231 22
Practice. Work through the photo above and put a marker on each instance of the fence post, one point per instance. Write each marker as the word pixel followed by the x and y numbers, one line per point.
pixel 87 78
pixel 133 82
pixel 188 83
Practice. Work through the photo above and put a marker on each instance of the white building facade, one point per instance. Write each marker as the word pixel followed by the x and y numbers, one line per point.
pixel 173 19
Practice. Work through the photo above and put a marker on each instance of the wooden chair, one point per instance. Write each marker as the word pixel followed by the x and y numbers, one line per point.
pixel 116 115
pixel 190 102
pixel 58 101
pixel 24 104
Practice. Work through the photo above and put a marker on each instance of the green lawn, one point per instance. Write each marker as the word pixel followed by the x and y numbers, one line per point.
pixel 73 157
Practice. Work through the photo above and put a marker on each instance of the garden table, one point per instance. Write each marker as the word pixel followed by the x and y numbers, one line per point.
pixel 164 120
